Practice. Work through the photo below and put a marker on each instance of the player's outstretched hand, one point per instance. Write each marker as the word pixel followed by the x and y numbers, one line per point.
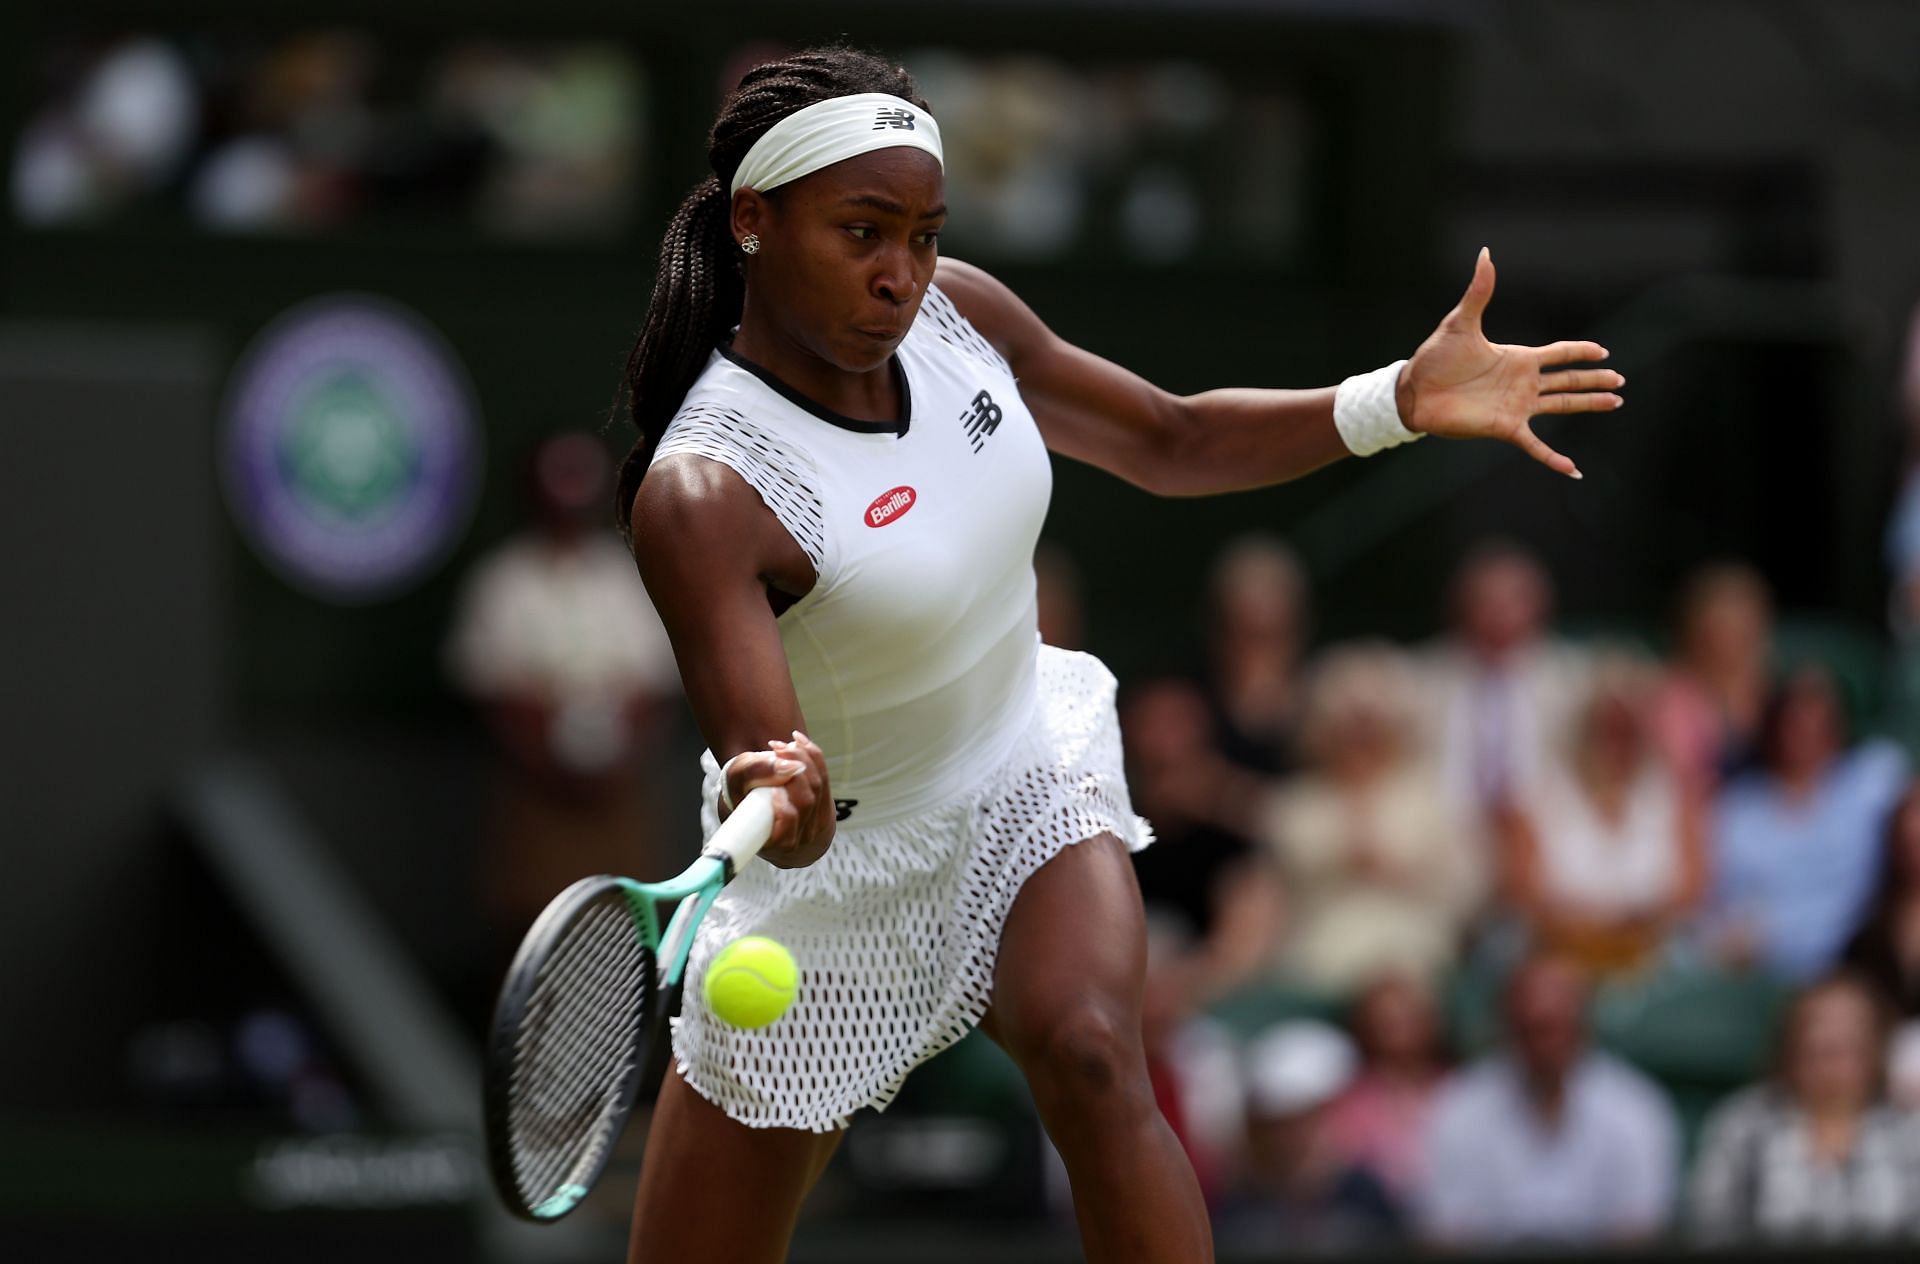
pixel 1461 386
pixel 803 815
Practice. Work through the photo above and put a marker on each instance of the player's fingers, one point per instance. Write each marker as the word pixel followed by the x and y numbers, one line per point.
pixel 815 765
pixel 806 748
pixel 761 768
pixel 1569 353
pixel 1474 302
pixel 804 791
pixel 1579 402
pixel 766 768
pixel 785 835
pixel 818 821
pixel 817 762
pixel 1581 380
pixel 1531 444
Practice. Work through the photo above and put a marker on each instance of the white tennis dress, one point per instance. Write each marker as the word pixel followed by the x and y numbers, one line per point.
pixel 962 753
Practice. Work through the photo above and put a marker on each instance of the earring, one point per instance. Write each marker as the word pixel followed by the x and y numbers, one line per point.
pixel 750 244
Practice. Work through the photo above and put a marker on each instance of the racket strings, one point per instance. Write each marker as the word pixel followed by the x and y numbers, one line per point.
pixel 576 1048
pixel 576 1057
pixel 565 1042
pixel 573 1028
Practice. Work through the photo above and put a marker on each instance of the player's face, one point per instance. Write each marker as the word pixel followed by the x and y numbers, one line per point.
pixel 847 254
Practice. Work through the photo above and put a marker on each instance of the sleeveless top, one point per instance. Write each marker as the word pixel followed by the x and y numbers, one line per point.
pixel 913 656
pixel 1616 868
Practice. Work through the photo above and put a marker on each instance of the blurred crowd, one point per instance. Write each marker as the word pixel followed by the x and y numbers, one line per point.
pixel 330 128
pixel 1417 911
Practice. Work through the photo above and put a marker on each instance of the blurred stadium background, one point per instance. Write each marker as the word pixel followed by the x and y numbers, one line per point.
pixel 307 708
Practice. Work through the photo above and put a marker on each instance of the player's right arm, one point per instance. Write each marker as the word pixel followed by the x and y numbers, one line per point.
pixel 714 557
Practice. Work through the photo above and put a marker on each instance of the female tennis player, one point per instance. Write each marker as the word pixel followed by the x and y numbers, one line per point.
pixel 840 478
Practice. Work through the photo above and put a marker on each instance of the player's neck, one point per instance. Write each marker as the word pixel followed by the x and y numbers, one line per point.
pixel 870 395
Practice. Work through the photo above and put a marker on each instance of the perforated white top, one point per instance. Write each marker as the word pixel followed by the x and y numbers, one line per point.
pixel 913 656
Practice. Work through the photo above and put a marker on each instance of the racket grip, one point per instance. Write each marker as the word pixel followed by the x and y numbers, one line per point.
pixel 744 832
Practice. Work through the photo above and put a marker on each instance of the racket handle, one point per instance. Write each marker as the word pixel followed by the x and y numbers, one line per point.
pixel 744 832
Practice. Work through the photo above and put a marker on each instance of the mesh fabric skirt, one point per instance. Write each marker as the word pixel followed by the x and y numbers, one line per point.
pixel 896 927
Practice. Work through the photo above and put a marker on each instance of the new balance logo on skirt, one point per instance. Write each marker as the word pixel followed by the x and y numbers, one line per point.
pixel 890 506
pixel 893 116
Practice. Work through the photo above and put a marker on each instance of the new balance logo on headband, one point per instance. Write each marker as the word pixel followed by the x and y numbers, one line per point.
pixel 902 119
pixel 982 418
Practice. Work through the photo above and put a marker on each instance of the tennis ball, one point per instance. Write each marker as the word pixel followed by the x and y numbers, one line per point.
pixel 752 981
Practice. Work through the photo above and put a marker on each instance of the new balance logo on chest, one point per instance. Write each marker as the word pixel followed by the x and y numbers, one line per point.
pixel 981 418
pixel 893 116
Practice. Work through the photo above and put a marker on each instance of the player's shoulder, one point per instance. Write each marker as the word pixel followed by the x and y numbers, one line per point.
pixel 679 485
pixel 989 305
pixel 966 284
pixel 691 502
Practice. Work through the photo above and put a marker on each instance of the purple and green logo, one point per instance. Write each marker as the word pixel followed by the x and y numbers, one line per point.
pixel 352 449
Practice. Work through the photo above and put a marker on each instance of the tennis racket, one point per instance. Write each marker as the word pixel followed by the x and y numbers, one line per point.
pixel 580 1030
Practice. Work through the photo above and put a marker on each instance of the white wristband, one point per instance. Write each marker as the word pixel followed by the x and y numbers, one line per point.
pixel 1366 414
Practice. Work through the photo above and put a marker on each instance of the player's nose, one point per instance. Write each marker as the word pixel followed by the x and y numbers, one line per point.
pixel 894 279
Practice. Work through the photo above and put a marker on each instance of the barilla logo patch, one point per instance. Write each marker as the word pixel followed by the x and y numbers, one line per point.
pixel 891 506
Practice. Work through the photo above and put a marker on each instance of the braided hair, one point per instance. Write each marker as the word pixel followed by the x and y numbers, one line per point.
pixel 698 289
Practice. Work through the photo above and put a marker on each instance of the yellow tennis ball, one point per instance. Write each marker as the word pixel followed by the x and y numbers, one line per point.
pixel 751 981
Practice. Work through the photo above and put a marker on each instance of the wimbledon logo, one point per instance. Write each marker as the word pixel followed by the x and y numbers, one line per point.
pixel 351 451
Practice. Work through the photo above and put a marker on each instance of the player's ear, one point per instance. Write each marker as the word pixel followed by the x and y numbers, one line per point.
pixel 751 213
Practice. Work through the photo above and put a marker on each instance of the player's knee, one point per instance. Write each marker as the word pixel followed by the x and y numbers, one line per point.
pixel 1088 1053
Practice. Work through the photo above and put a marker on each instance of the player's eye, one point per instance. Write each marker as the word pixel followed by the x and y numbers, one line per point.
pixel 863 231
pixel 929 237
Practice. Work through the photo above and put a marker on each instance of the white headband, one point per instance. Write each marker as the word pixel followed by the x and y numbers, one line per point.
pixel 832 131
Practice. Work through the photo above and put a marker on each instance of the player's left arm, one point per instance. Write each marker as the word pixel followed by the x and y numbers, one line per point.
pixel 1458 384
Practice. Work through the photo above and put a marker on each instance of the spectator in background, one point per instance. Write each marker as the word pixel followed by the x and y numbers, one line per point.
pixel 1209 897
pixel 1379 877
pixel 554 639
pixel 1903 1067
pixel 1549 1140
pixel 1816 1155
pixel 119 136
pixel 1378 1122
pixel 1213 911
pixel 1258 618
pixel 1296 1191
pixel 1707 715
pixel 1885 950
pixel 1499 686
pixel 1607 851
pixel 1796 844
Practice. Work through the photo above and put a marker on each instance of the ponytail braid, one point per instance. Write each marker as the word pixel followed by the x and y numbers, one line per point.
pixel 697 295
pixel 698 289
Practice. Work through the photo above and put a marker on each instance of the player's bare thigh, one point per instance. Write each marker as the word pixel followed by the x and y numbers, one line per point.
pixel 711 1188
pixel 1076 932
